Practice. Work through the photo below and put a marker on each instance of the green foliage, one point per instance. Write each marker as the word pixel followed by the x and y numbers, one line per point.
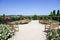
pixel 46 18
pixel 5 32
pixel 54 12
pixel 16 22
pixel 22 17
pixel 13 18
pixel 51 14
pixel 3 16
pixel 58 13
pixel 29 17
pixel 55 15
pixel 53 34
pixel 35 17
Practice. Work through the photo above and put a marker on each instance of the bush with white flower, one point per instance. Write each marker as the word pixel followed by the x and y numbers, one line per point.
pixel 5 32
pixel 53 34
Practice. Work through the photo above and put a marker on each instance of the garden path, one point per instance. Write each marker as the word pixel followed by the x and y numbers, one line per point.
pixel 31 31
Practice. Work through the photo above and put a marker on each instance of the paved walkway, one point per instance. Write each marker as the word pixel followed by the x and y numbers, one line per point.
pixel 31 31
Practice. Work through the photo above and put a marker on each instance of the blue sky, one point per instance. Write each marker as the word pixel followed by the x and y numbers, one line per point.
pixel 28 7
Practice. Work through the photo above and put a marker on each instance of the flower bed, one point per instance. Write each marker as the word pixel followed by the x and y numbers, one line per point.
pixel 5 32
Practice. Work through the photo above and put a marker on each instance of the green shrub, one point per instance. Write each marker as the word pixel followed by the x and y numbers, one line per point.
pixel 16 22
pixel 34 17
pixel 5 32
pixel 53 35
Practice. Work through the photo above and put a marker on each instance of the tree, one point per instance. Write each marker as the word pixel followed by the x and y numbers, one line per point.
pixel 3 16
pixel 51 14
pixel 35 17
pixel 58 13
pixel 54 13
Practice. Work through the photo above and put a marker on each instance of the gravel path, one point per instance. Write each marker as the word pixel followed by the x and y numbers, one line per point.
pixel 31 31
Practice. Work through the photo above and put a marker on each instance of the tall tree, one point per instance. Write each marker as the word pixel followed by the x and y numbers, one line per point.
pixel 54 12
pixel 58 13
